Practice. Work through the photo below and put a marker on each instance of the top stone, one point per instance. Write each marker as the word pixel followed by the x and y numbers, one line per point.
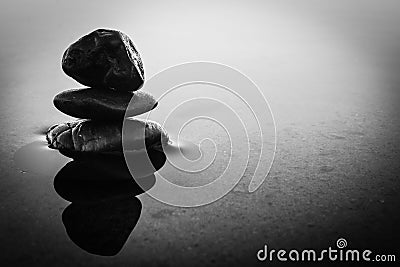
pixel 105 58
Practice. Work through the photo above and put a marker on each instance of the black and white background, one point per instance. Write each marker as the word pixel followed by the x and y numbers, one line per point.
pixel 330 71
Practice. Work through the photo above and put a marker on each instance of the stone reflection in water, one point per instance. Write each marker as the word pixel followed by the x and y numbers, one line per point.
pixel 102 227
pixel 76 182
pixel 104 209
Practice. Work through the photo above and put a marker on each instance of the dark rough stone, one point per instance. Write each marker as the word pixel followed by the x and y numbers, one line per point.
pixel 91 103
pixel 87 136
pixel 105 58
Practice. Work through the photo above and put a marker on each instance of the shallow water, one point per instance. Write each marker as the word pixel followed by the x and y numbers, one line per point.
pixel 104 210
pixel 102 188
pixel 38 158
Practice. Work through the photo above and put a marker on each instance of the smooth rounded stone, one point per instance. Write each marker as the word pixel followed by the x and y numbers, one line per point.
pixel 93 103
pixel 80 137
pixel 105 58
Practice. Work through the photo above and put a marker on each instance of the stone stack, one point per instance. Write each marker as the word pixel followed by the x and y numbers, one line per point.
pixel 109 64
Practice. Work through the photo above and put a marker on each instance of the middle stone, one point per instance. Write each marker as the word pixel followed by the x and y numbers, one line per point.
pixel 99 104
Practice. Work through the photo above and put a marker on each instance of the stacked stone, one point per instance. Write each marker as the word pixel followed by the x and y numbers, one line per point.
pixel 109 64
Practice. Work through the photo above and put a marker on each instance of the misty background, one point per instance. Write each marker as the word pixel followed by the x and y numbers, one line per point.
pixel 310 51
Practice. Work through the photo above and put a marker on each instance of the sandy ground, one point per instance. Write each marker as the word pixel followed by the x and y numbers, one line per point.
pixel 332 85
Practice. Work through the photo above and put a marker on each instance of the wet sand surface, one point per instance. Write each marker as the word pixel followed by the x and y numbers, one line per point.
pixel 333 88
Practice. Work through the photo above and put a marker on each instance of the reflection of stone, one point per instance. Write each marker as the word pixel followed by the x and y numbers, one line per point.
pixel 81 182
pixel 92 103
pixel 105 58
pixel 102 227
pixel 104 209
pixel 145 162
pixel 97 177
